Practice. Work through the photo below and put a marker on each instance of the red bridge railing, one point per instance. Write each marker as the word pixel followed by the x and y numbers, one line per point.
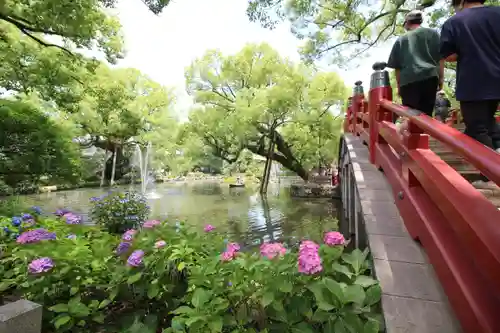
pixel 457 225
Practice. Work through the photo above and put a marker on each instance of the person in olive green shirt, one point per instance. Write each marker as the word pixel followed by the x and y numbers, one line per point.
pixel 417 62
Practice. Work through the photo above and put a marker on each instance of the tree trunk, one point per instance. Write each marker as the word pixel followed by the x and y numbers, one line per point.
pixel 270 164
pixel 113 170
pixel 103 173
pixel 283 155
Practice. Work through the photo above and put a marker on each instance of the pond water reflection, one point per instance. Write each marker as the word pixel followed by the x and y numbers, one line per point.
pixel 242 212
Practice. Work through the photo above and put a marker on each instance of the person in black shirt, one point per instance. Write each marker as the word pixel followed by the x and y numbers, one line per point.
pixel 472 38
pixel 442 106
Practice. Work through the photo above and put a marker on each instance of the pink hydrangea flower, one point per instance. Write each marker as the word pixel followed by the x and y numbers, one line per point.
pixel 161 243
pixel 208 228
pixel 334 238
pixel 309 261
pixel 151 224
pixel 233 247
pixel 135 259
pixel 40 265
pixel 271 250
pixel 231 252
pixel 308 245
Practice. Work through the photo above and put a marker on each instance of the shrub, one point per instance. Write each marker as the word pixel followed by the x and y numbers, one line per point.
pixel 173 278
pixel 119 211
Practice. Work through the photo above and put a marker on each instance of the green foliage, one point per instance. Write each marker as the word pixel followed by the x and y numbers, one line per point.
pixel 118 212
pixel 180 284
pixel 344 30
pixel 82 24
pixel 256 95
pixel 33 145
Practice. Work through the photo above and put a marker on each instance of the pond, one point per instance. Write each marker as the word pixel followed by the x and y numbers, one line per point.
pixel 248 217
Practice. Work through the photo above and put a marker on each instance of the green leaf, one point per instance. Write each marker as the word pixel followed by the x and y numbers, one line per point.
pixel 365 281
pixel 338 327
pixel 373 295
pixel 134 278
pixel 354 294
pixel 73 290
pixel 62 320
pixel 302 328
pixel 59 308
pixel 321 316
pixel 342 269
pixel 181 266
pixel 183 310
pixel 320 291
pixel 353 323
pixel 335 290
pixel 215 325
pixel 267 298
pixel 5 285
pixel 356 259
pixel 200 297
pixel 104 303
pixel 153 290
pixel 286 287
pixel 99 318
pixel 79 310
pixel 371 326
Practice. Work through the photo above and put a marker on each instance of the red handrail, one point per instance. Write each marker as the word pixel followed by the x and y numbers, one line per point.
pixel 458 226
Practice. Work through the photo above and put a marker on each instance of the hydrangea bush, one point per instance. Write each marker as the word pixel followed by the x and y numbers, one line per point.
pixel 119 211
pixel 167 278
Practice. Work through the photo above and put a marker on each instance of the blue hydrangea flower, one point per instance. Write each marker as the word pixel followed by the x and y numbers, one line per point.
pixel 37 210
pixel 16 221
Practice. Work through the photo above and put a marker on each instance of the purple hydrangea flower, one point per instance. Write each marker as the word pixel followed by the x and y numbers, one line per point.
pixel 135 259
pixel 40 265
pixel 161 243
pixel 34 236
pixel 122 248
pixel 72 218
pixel 27 217
pixel 128 236
pixel 61 212
pixel 28 223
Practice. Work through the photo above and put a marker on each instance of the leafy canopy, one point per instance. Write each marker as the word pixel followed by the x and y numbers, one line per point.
pixel 344 30
pixel 248 98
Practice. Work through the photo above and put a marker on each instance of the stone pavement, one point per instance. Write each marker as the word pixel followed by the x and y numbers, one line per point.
pixel 413 300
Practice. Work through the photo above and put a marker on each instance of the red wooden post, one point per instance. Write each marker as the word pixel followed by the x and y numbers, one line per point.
pixel 380 88
pixel 357 100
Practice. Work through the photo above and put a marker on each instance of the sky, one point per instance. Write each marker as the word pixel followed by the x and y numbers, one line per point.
pixel 163 46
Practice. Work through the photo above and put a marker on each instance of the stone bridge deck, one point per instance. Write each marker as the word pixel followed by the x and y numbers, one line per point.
pixel 413 300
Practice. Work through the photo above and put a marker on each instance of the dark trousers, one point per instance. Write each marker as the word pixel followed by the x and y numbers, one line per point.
pixel 420 95
pixel 480 122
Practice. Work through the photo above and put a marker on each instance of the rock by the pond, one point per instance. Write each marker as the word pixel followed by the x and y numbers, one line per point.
pixel 313 190
pixel 21 316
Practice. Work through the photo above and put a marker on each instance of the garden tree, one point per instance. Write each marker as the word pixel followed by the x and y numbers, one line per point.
pixel 33 145
pixel 248 99
pixel 30 69
pixel 123 107
pixel 193 154
pixel 343 30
